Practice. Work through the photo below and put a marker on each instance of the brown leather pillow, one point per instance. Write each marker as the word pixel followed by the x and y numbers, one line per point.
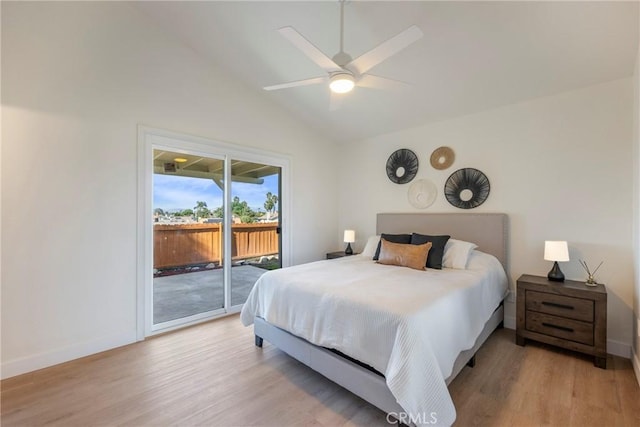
pixel 404 255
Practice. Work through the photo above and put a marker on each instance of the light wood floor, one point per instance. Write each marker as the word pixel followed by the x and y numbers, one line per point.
pixel 212 375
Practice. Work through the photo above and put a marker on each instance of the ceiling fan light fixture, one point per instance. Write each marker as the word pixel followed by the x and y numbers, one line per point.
pixel 341 83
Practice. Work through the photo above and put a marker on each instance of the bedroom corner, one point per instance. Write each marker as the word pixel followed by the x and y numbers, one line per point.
pixel 512 146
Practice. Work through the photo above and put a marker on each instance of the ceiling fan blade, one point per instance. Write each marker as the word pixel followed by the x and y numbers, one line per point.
pixel 297 83
pixel 376 82
pixel 309 49
pixel 395 44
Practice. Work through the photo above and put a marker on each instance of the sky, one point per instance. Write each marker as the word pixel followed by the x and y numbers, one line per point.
pixel 171 192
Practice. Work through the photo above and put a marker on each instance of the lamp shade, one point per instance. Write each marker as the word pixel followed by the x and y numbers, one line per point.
pixel 556 250
pixel 349 236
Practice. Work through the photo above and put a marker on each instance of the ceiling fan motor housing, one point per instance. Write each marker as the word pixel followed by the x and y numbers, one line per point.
pixel 342 59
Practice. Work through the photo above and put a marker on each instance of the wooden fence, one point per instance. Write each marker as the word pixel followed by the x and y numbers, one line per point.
pixel 179 245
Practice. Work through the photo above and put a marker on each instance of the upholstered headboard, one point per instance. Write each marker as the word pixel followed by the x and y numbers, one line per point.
pixel 490 231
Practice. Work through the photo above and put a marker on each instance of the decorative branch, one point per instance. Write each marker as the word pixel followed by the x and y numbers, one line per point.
pixel 586 267
pixel 590 280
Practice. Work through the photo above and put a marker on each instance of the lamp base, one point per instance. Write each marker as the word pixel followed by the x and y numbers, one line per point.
pixel 348 251
pixel 555 275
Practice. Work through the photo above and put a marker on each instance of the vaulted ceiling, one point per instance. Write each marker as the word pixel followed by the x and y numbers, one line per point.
pixel 474 56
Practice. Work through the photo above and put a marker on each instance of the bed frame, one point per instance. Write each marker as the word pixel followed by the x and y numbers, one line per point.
pixel 488 231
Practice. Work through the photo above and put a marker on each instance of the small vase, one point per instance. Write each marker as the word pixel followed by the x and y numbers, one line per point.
pixel 591 281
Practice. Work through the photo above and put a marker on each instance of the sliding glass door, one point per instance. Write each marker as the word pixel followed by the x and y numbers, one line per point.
pixel 255 243
pixel 215 228
pixel 188 249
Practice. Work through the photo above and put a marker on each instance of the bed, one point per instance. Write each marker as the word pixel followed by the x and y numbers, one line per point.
pixel 398 350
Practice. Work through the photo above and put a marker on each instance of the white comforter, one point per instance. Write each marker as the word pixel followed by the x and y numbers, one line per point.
pixel 409 324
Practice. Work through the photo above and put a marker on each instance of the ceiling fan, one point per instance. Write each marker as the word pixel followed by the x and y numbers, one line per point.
pixel 343 72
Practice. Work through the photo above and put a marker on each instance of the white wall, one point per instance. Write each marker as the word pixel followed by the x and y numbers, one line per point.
pixel 77 79
pixel 560 166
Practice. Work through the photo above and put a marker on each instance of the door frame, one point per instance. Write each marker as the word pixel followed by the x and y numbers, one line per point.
pixel 150 138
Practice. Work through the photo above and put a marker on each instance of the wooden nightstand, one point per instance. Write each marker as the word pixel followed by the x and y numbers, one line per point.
pixel 339 254
pixel 567 314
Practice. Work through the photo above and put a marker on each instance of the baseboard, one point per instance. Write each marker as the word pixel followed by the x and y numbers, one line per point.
pixel 618 348
pixel 635 361
pixel 23 365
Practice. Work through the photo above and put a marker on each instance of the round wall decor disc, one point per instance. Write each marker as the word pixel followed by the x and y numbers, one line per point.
pixel 402 166
pixel 442 158
pixel 467 188
pixel 422 193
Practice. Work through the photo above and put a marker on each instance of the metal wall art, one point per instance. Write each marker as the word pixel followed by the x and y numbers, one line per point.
pixel 402 166
pixel 467 188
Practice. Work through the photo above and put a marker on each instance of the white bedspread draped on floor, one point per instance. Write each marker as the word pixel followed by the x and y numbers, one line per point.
pixel 408 324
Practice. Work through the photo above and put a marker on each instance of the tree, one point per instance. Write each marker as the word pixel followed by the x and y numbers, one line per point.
pixel 240 209
pixel 271 203
pixel 217 212
pixel 201 210
pixel 186 212
pixel 158 212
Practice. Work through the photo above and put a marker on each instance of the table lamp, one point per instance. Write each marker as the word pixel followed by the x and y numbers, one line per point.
pixel 556 251
pixel 349 238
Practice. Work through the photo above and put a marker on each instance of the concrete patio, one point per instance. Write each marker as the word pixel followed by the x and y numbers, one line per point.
pixel 183 295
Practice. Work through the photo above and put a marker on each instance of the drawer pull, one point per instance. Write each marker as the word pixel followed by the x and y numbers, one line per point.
pixel 553 304
pixel 562 328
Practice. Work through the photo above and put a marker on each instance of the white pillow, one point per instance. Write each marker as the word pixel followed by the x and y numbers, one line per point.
pixel 371 246
pixel 456 254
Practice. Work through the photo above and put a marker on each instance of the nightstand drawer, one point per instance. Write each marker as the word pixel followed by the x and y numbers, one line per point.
pixel 560 305
pixel 554 326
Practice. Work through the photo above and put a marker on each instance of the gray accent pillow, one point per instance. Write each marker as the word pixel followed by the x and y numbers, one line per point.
pixel 393 238
pixel 434 260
